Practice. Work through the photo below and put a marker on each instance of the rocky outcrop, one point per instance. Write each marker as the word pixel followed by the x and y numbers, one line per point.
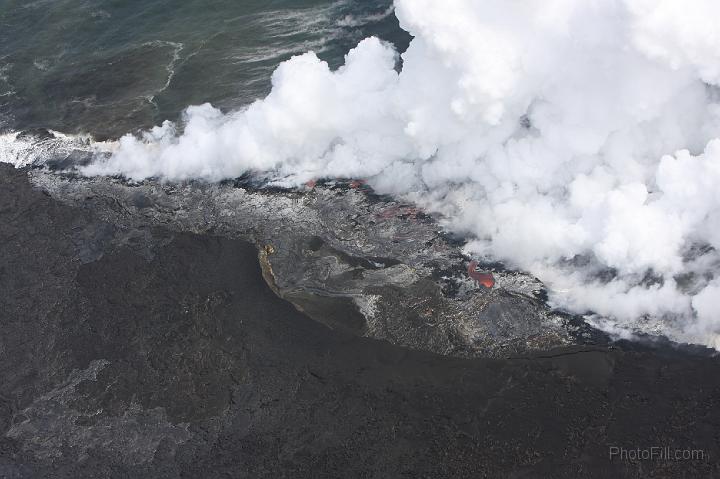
pixel 348 258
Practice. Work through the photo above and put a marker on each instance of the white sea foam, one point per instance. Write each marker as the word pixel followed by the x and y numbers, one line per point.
pixel 28 150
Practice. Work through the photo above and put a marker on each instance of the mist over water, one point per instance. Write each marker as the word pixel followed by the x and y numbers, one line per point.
pixel 575 140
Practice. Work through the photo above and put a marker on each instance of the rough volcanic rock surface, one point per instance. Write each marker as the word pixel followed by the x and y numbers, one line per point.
pixel 348 258
pixel 139 344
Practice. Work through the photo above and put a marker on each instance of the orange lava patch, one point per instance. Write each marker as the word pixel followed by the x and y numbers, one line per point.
pixel 311 184
pixel 485 279
pixel 408 212
pixel 357 183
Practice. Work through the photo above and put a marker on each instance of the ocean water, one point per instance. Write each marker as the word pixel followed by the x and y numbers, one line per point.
pixel 108 67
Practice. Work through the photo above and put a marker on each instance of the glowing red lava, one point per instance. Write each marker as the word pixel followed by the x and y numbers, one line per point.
pixel 408 212
pixel 485 279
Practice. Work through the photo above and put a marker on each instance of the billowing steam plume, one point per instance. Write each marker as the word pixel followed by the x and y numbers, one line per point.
pixel 576 140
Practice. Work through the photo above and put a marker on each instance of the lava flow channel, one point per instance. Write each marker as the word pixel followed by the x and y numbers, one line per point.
pixel 485 279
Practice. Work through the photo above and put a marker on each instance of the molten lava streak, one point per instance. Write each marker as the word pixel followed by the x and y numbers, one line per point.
pixel 485 279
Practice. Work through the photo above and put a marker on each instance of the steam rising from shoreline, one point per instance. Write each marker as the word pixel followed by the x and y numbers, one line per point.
pixel 576 140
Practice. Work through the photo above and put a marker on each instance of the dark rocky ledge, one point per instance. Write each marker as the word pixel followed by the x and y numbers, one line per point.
pixel 139 339
pixel 349 259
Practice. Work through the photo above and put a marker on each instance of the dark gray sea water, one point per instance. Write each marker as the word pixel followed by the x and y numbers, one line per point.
pixel 107 67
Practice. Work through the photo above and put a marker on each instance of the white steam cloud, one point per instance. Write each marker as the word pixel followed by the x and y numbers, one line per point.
pixel 576 140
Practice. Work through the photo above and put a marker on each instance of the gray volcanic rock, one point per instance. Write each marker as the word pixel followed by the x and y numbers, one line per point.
pixel 133 349
pixel 349 259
